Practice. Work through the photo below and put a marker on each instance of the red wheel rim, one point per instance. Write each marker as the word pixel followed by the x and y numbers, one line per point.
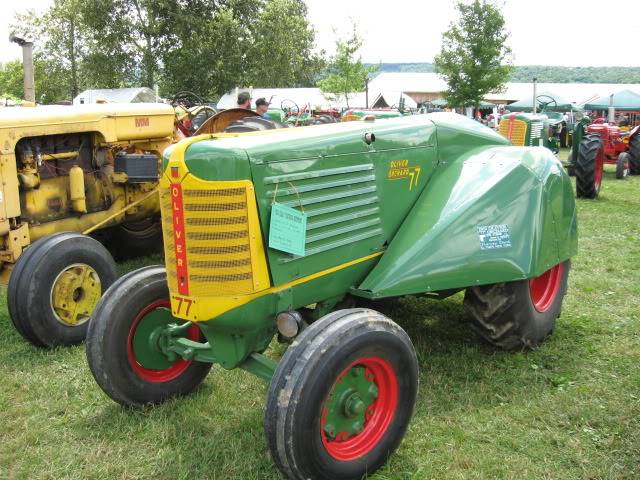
pixel 150 375
pixel 544 289
pixel 597 179
pixel 378 416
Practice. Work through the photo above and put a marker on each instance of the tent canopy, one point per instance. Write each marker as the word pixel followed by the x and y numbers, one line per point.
pixel 526 104
pixel 626 100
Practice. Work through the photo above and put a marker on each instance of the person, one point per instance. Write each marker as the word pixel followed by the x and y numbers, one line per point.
pixel 244 100
pixel 261 107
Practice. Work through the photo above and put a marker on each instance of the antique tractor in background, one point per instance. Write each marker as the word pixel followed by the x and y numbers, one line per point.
pixel 71 172
pixel 294 116
pixel 532 129
pixel 599 143
pixel 87 168
pixel 370 113
pixel 287 232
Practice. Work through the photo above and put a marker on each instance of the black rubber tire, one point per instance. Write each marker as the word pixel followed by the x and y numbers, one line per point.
pixel 623 165
pixel 585 168
pixel 14 281
pixel 503 313
pixel 136 239
pixel 108 335
pixel 304 378
pixel 252 124
pixel 30 285
pixel 634 152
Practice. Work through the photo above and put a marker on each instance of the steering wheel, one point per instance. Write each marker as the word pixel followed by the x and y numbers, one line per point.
pixel 284 106
pixel 187 100
pixel 543 104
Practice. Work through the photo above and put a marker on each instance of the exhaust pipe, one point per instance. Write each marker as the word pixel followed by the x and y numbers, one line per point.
pixel 27 64
pixel 612 110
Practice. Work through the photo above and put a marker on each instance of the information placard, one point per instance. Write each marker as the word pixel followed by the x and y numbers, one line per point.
pixel 287 229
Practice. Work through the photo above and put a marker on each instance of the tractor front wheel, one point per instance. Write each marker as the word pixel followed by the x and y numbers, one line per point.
pixel 589 166
pixel 521 314
pixel 124 358
pixel 634 154
pixel 622 165
pixel 342 397
pixel 55 285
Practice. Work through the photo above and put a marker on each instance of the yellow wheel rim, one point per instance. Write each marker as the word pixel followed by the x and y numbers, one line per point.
pixel 75 293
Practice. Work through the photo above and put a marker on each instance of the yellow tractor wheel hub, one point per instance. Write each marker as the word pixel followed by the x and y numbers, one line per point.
pixel 75 293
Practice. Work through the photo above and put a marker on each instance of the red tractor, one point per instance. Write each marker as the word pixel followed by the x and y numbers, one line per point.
pixel 603 143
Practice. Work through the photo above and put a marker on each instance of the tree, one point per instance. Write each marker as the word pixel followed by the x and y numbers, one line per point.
pixel 210 55
pixel 11 80
pixel 58 49
pixel 474 58
pixel 204 46
pixel 347 74
pixel 282 50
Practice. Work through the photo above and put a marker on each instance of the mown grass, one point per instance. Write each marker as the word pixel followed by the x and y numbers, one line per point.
pixel 569 410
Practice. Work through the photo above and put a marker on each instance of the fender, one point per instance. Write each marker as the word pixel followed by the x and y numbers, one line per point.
pixel 495 214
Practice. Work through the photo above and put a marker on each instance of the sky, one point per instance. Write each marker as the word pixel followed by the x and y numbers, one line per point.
pixel 543 32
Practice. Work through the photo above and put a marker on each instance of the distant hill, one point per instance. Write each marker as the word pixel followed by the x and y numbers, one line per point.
pixel 545 74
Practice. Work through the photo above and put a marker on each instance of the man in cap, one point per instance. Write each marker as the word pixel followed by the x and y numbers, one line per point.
pixel 244 100
pixel 262 106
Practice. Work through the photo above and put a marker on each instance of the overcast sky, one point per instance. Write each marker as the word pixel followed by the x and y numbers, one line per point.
pixel 543 32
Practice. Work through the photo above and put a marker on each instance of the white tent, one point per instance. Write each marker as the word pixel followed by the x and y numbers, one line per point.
pixel 116 95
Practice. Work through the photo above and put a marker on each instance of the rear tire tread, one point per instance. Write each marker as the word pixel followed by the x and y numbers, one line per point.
pixel 585 167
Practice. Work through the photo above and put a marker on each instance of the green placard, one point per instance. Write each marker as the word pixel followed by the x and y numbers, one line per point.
pixel 288 229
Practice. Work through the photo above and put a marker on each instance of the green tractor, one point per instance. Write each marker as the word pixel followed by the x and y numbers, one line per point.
pixel 530 129
pixel 301 234
pixel 542 129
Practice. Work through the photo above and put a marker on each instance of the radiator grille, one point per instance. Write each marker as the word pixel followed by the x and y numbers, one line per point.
pixel 217 236
pixel 514 130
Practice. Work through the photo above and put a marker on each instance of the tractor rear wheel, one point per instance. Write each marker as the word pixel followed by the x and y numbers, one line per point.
pixel 634 154
pixel 521 314
pixel 136 239
pixel 124 361
pixel 55 286
pixel 342 397
pixel 622 165
pixel 589 166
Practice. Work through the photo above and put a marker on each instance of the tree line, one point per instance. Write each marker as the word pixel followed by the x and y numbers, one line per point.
pixel 544 73
pixel 203 46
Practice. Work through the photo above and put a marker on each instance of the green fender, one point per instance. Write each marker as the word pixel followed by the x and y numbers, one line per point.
pixel 494 214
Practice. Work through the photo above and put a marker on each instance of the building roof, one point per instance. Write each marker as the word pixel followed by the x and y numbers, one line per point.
pixel 579 93
pixel 408 82
pixel 116 95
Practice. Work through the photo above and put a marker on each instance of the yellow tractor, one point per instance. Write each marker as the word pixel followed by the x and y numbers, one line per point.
pixel 68 172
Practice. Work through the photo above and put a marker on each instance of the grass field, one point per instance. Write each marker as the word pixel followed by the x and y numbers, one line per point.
pixel 569 410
